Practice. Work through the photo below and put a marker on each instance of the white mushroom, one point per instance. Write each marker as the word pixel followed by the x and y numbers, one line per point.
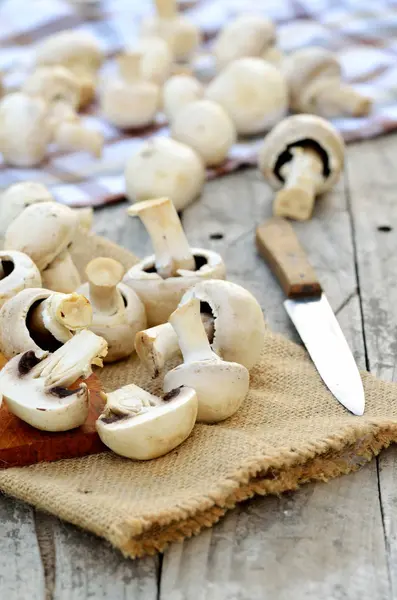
pixel 142 426
pixel 17 272
pixel 129 101
pixel 161 280
pixel 164 167
pixel 251 35
pixel 17 197
pixel 54 84
pixel 41 320
pixel 118 312
pixel 233 321
pixel 253 92
pixel 37 389
pixel 69 132
pixel 178 91
pixel 303 155
pixel 44 231
pixel 207 128
pixel 314 78
pixel 156 60
pixel 182 36
pixel 221 386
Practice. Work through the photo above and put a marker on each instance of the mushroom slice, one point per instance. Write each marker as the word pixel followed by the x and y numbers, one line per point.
pixel 118 312
pixel 37 389
pixel 221 386
pixel 142 426
pixel 17 272
pixel 304 156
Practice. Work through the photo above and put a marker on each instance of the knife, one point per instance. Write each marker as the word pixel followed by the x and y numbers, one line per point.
pixel 310 312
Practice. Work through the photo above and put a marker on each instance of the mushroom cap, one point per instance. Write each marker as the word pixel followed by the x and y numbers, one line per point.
pixel 178 91
pixel 239 323
pixel 181 35
pixel 54 84
pixel 220 386
pixel 298 130
pixel 128 105
pixel 42 231
pixel 22 274
pixel 246 35
pixel 156 61
pixel 253 92
pixel 68 48
pixel 162 296
pixel 119 329
pixel 17 197
pixel 24 129
pixel 164 167
pixel 207 128
pixel 153 432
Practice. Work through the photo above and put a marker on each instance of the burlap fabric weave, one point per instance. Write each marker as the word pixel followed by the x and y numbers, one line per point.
pixel 289 431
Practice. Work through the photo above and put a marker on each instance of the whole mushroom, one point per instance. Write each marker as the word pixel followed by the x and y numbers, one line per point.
pixel 178 91
pixel 37 388
pixel 142 426
pixel 70 133
pixel 156 59
pixel 44 232
pixel 314 78
pixel 118 313
pixel 164 167
pixel 221 386
pixel 17 197
pixel 54 84
pixel 17 272
pixel 304 156
pixel 233 321
pixel 161 280
pixel 253 92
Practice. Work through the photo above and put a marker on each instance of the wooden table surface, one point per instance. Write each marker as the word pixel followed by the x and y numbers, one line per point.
pixel 327 541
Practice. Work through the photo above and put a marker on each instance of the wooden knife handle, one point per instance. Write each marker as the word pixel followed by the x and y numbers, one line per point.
pixel 279 246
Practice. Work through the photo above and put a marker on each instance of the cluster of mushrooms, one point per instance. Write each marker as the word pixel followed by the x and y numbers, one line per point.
pixel 55 327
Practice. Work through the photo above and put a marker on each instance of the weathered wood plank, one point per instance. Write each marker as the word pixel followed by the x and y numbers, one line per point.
pixel 317 543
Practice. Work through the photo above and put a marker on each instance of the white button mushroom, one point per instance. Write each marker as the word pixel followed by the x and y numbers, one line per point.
pixel 69 132
pixel 164 167
pixel 303 155
pixel 118 312
pixel 129 101
pixel 207 128
pixel 161 280
pixel 178 91
pixel 44 231
pixel 314 77
pixel 37 389
pixel 156 59
pixel 17 272
pixel 233 321
pixel 54 84
pixel 220 386
pixel 182 36
pixel 40 320
pixel 253 92
pixel 17 197
pixel 142 426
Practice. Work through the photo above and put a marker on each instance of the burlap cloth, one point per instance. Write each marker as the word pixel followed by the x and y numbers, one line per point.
pixel 289 431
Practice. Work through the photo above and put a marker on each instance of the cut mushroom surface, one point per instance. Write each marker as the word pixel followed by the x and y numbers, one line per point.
pixel 141 426
pixel 37 388
pixel 17 272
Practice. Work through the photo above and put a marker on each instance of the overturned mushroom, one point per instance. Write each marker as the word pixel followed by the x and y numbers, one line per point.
pixel 253 92
pixel 220 386
pixel 37 388
pixel 70 133
pixel 161 280
pixel 164 167
pixel 44 231
pixel 178 92
pixel 142 426
pixel 233 321
pixel 17 272
pixel 54 84
pixel 303 155
pixel 314 78
pixel 118 313
pixel 41 320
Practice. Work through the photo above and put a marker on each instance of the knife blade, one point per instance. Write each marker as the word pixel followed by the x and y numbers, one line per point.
pixel 309 310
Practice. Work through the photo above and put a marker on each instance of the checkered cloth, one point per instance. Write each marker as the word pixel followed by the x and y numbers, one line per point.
pixel 363 33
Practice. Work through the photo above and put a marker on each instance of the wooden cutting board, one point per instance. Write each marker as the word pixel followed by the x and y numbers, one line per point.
pixel 21 444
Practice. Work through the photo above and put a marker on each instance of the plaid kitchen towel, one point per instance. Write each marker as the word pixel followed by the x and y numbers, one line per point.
pixel 361 32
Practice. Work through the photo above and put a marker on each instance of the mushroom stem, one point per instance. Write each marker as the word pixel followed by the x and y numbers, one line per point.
pixel 192 338
pixel 170 245
pixel 302 176
pixel 129 64
pixel 104 275
pixel 72 136
pixel 335 98
pixel 62 274
pixel 166 9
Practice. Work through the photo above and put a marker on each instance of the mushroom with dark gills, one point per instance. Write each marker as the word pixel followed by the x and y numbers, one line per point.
pixel 17 272
pixel 37 390
pixel 160 280
pixel 303 155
